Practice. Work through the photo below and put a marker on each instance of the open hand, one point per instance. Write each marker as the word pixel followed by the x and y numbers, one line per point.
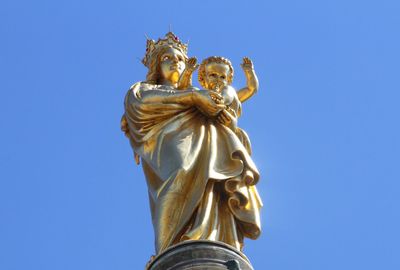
pixel 247 64
pixel 191 64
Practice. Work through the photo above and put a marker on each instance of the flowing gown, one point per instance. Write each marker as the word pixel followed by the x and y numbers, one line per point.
pixel 201 179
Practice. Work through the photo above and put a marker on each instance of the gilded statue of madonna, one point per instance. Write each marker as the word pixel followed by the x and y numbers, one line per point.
pixel 200 175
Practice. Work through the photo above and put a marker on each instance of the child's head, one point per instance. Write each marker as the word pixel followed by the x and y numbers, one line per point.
pixel 215 72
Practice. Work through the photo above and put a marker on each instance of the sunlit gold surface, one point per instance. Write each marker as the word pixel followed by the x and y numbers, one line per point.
pixel 200 175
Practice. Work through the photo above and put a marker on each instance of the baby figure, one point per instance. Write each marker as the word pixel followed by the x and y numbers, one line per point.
pixel 216 73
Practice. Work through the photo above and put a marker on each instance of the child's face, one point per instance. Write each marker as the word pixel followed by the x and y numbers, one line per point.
pixel 216 75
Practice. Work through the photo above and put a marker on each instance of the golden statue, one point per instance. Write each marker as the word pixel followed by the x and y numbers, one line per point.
pixel 200 175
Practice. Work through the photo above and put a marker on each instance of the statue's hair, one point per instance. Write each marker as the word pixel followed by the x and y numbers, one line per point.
pixel 214 59
pixel 154 73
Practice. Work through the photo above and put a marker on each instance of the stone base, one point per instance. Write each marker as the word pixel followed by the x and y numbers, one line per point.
pixel 200 255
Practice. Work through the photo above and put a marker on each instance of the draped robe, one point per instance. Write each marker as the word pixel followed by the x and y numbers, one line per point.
pixel 201 179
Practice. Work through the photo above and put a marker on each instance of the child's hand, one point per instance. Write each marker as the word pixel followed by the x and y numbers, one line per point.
pixel 208 102
pixel 217 99
pixel 251 80
pixel 191 64
pixel 247 64
pixel 227 119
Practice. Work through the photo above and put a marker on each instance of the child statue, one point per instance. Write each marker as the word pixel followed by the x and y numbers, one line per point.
pixel 216 73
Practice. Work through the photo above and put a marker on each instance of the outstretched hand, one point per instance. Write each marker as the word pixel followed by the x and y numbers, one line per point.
pixel 191 64
pixel 247 64
pixel 209 102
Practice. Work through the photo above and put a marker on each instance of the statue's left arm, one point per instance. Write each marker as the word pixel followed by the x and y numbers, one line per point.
pixel 251 78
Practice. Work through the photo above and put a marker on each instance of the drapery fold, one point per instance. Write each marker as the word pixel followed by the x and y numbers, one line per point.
pixel 200 176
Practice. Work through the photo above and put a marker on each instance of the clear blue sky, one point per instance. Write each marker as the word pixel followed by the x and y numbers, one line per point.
pixel 324 128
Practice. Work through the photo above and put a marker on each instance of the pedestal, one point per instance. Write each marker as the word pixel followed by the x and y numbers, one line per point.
pixel 200 255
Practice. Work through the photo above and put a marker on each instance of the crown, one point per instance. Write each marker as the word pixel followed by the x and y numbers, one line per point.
pixel 170 40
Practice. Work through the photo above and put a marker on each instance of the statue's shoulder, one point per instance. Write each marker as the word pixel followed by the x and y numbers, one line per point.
pixel 136 84
pixel 229 93
pixel 137 88
pixel 231 99
pixel 229 90
pixel 144 86
pixel 139 85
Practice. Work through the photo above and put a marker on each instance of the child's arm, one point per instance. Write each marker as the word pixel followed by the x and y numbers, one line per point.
pixel 252 81
pixel 185 81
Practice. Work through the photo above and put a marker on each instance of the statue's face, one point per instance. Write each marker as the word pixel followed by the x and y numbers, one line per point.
pixel 172 64
pixel 216 75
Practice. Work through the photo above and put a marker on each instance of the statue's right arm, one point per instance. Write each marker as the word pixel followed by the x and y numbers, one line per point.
pixel 184 97
pixel 202 99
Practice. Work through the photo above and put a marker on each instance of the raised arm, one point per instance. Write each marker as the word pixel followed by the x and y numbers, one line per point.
pixel 185 81
pixel 251 78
